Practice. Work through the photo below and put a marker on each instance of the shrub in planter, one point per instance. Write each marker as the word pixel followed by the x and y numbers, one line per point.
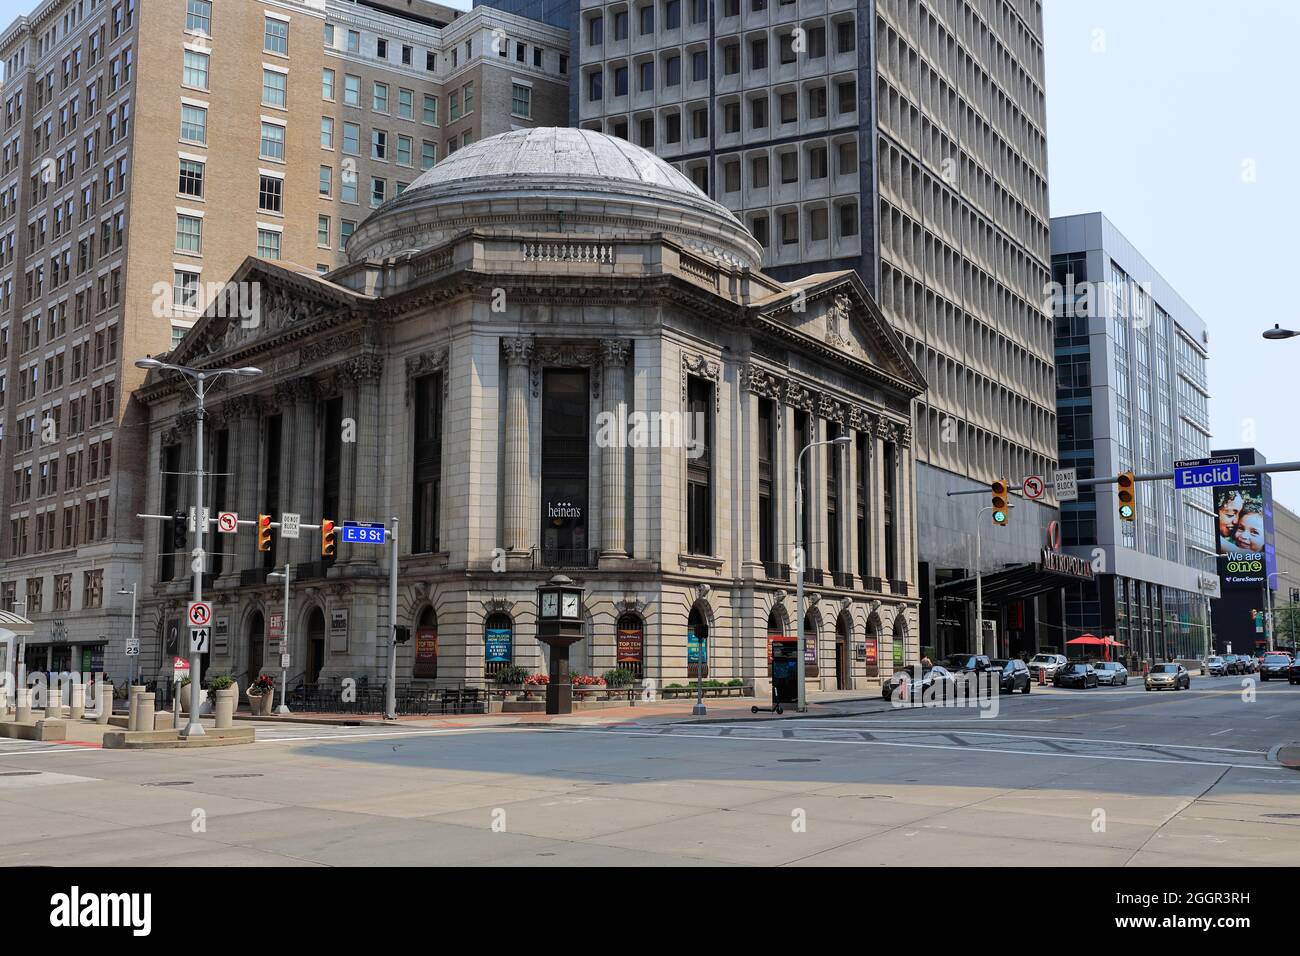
pixel 221 682
pixel 586 680
pixel 736 682
pixel 619 677
pixel 511 676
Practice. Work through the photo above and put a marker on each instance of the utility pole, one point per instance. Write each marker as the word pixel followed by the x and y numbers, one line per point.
pixel 390 703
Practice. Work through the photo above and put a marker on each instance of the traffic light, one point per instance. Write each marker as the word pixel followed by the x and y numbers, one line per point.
pixel 1127 502
pixel 329 542
pixel 180 523
pixel 1000 510
pixel 401 635
pixel 263 532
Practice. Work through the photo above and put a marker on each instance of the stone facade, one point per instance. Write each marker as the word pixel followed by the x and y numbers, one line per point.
pixel 613 265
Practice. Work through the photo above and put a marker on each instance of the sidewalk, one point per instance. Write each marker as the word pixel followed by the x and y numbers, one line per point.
pixel 820 704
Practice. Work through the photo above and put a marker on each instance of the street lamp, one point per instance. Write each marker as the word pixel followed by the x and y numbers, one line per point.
pixel 1270 630
pixel 979 589
pixel 1277 332
pixel 799 557
pixel 135 664
pixel 287 574
pixel 197 378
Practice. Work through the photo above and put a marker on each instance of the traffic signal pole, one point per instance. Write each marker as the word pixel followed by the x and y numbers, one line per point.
pixel 390 697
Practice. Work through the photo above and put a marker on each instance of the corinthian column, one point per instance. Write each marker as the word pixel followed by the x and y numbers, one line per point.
pixel 613 353
pixel 519 353
pixel 243 413
pixel 297 462
pixel 366 371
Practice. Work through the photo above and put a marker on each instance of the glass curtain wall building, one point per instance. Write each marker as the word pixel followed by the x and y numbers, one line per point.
pixel 1131 396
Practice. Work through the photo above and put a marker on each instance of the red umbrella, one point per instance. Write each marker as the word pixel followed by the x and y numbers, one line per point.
pixel 1087 639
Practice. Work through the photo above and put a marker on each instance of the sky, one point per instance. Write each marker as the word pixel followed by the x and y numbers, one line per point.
pixel 1176 119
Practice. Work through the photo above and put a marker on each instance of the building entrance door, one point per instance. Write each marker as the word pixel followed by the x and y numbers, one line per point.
pixel 315 645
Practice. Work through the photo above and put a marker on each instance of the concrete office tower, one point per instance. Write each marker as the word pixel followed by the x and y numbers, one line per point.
pixel 147 148
pixel 904 140
pixel 1131 396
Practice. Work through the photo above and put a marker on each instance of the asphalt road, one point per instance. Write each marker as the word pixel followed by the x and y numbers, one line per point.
pixel 1108 776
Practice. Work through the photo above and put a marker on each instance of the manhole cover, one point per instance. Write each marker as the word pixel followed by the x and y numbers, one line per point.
pixel 546 854
pixel 800 760
pixel 235 776
pixel 170 783
pixel 21 773
pixel 1282 816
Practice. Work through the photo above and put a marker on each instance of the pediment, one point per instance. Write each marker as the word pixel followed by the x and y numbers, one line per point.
pixel 835 313
pixel 261 301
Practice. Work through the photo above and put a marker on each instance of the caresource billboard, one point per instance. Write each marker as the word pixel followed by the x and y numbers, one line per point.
pixel 1243 525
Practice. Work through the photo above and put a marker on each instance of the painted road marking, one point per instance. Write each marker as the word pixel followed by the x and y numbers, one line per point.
pixel 920 746
pixel 1219 733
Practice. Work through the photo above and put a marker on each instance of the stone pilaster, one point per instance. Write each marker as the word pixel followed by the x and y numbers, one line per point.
pixel 614 354
pixel 518 353
pixel 297 398
pixel 367 372
pixel 877 492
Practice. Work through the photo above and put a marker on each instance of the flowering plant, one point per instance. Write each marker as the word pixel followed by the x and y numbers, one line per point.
pixel 263 684
pixel 537 680
pixel 587 680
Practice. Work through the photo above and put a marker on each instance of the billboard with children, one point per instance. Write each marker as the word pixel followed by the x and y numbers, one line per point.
pixel 1243 528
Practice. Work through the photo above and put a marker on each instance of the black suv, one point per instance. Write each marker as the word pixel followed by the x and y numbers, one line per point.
pixel 1013 674
pixel 1075 674
pixel 1274 665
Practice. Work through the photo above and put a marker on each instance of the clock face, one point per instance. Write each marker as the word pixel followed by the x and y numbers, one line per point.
pixel 549 604
pixel 570 605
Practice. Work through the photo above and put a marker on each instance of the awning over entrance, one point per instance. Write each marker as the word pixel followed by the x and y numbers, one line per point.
pixel 1016 583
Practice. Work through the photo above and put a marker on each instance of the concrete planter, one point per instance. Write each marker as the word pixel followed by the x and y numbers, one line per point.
pixel 261 704
pixel 205 705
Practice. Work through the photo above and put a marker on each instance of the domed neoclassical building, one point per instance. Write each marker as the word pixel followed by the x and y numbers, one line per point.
pixel 551 354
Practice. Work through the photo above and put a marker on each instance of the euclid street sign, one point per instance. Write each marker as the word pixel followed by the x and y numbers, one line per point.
pixel 1207 472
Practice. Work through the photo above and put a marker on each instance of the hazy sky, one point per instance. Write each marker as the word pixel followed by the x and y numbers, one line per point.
pixel 1177 119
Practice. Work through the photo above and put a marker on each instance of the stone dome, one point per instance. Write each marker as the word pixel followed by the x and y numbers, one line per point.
pixel 554 180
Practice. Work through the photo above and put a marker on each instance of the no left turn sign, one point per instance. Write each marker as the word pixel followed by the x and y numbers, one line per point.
pixel 227 522
pixel 1033 487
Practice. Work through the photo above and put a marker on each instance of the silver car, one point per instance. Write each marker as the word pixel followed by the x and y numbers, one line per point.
pixel 1049 664
pixel 1111 672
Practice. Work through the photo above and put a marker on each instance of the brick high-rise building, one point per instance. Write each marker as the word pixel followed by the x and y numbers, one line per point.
pixel 146 149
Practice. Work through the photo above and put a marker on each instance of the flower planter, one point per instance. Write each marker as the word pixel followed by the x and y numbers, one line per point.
pixel 260 704
pixel 205 705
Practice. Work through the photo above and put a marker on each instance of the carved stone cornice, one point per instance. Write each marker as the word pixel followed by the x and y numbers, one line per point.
pixel 806 398
pixel 565 355
pixel 695 364
pixel 761 382
pixel 630 606
pixel 367 368
pixel 186 420
pixel 427 363
pixel 350 340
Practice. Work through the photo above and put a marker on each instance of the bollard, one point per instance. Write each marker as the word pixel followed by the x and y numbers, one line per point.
pixel 144 711
pixel 132 719
pixel 77 704
pixel 223 708
pixel 54 701
pixel 24 706
pixel 104 695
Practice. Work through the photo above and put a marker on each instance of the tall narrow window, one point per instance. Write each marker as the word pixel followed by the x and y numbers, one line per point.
pixel 272 472
pixel 834 457
pixel 864 524
pixel 888 467
pixel 428 461
pixel 766 497
pixel 699 469
pixel 331 456
pixel 802 436
pixel 565 466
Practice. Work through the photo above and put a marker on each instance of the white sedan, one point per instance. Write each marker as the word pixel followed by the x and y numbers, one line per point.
pixel 1111 672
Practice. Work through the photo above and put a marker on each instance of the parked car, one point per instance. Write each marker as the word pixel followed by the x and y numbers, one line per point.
pixel 1168 676
pixel 1216 666
pixel 1075 674
pixel 966 663
pixel 1013 675
pixel 1275 665
pixel 1232 664
pixel 1111 672
pixel 1293 673
pixel 918 685
pixel 1047 663
pixel 1248 664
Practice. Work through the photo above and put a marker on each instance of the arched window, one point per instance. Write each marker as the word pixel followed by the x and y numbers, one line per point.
pixel 256 647
pixel 426 645
pixel 900 641
pixel 498 643
pixel 697 645
pixel 775 633
pixel 630 644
